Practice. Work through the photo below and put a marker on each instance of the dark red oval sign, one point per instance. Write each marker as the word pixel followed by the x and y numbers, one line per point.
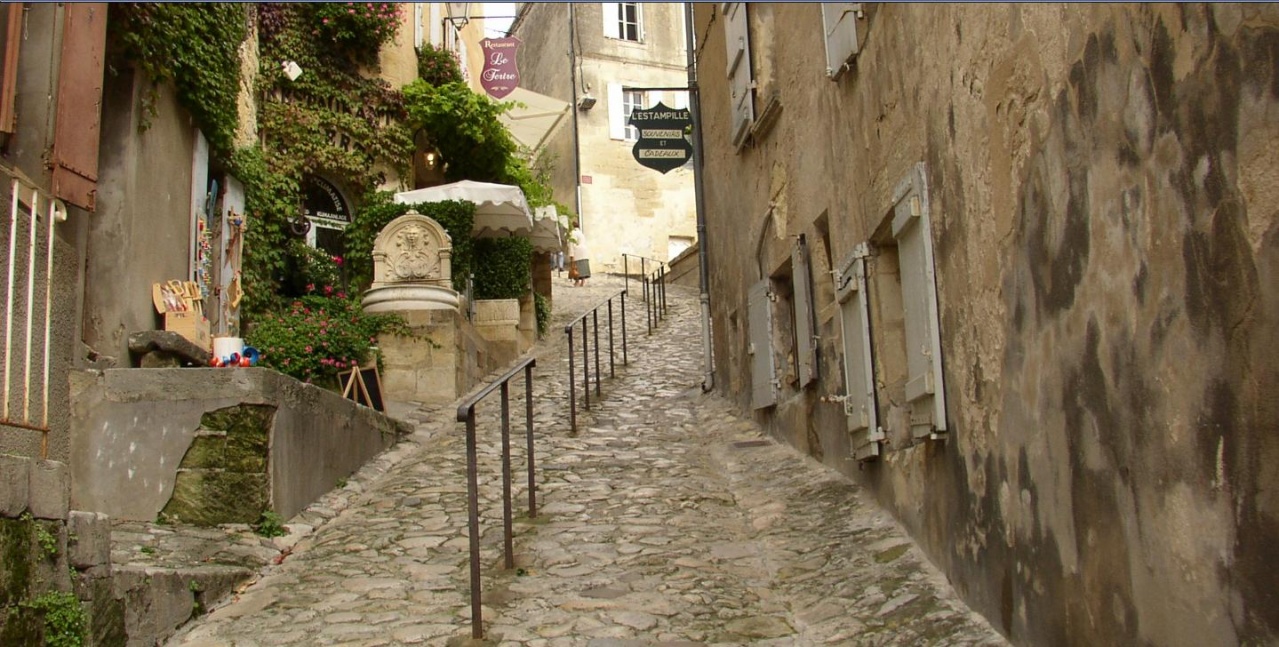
pixel 500 75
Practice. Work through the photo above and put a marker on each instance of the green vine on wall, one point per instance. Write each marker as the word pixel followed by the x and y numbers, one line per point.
pixel 197 47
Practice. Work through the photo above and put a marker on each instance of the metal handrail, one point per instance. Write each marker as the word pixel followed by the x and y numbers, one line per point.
pixel 593 313
pixel 626 268
pixel 655 297
pixel 466 413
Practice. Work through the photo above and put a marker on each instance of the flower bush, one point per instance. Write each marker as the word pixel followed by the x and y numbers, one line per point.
pixel 358 27
pixel 437 65
pixel 320 335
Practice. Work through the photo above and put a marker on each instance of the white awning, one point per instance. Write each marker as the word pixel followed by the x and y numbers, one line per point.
pixel 549 230
pixel 533 123
pixel 500 209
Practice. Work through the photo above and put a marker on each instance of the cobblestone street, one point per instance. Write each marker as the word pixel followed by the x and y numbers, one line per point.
pixel 667 520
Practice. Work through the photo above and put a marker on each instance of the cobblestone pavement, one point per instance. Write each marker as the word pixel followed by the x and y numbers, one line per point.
pixel 666 521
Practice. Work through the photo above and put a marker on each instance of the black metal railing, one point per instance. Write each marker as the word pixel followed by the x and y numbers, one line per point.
pixel 593 316
pixel 466 413
pixel 653 287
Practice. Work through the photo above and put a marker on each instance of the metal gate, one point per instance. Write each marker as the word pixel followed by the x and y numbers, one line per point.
pixel 28 305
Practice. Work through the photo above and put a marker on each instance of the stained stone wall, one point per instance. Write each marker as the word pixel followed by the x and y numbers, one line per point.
pixel 211 445
pixel 1105 224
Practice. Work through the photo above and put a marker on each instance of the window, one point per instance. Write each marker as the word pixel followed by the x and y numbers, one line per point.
pixel 887 293
pixel 632 100
pixel 621 102
pixel 740 79
pixel 622 20
pixel 839 21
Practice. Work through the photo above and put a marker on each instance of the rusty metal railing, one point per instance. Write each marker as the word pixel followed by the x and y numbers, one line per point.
pixel 593 315
pixel 653 286
pixel 53 211
pixel 466 413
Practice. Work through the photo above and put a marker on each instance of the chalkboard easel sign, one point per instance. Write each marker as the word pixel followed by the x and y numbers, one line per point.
pixel 363 385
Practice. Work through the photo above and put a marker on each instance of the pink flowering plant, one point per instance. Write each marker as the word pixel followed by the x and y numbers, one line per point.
pixel 359 27
pixel 319 335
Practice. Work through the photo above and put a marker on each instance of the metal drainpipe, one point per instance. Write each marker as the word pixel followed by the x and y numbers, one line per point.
pixel 577 152
pixel 699 196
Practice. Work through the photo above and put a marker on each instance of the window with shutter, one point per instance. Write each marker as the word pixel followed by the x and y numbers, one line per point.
pixel 616 112
pixel 740 81
pixel 79 111
pixel 805 335
pixel 839 20
pixel 763 371
pixel 912 231
pixel 859 374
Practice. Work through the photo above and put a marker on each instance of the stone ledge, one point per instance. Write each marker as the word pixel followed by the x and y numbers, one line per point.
pixel 165 349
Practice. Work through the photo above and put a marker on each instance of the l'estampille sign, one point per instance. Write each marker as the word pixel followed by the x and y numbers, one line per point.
pixel 661 145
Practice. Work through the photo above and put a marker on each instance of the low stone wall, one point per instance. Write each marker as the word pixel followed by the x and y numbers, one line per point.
pixel 55 564
pixel 210 446
pixel 684 268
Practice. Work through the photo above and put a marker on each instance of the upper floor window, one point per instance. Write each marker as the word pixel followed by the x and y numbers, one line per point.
pixel 623 20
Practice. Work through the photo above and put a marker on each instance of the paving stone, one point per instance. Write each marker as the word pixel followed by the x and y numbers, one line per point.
pixel 655 528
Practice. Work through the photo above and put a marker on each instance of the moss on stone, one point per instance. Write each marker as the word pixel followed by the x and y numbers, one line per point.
pixel 891 555
pixel 209 498
pixel 15 561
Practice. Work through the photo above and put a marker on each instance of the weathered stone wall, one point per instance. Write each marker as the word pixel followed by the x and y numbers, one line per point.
pixel 55 564
pixel 213 445
pixel 1101 188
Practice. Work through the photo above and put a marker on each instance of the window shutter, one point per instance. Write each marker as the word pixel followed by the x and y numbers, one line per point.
pixel 612 19
pixel 763 372
pixel 912 229
pixel 737 42
pixel 79 112
pixel 616 112
pixel 9 83
pixel 805 335
pixel 839 20
pixel 859 372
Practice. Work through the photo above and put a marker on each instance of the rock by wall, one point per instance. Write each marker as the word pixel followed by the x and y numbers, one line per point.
pixel 1106 236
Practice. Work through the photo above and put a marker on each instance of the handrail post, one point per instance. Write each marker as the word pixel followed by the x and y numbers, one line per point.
pixel 507 524
pixel 595 325
pixel 663 292
pixel 626 273
pixel 473 524
pixel 648 305
pixel 612 371
pixel 586 368
pixel 624 358
pixel 528 430
pixel 572 385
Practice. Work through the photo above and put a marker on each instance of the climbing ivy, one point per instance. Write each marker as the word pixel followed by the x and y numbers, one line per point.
pixel 502 267
pixel 64 619
pixel 379 210
pixel 193 45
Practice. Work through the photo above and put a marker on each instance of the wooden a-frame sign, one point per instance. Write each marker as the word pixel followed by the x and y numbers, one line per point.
pixel 363 385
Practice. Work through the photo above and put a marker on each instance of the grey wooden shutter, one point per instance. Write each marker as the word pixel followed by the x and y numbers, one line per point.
pixel 912 230
pixel 740 80
pixel 859 373
pixel 805 337
pixel 763 371
pixel 839 21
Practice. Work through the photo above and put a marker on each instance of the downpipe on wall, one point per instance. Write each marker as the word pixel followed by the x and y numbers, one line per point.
pixel 699 197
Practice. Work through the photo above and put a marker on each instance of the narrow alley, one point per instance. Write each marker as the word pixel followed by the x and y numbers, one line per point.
pixel 666 521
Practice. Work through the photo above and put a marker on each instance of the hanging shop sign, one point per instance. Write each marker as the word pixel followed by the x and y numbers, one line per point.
pixel 500 75
pixel 662 144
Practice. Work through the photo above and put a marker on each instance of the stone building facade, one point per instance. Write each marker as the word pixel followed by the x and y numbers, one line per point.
pixel 617 49
pixel 1013 267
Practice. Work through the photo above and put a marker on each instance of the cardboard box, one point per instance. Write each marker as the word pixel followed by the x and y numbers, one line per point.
pixel 191 325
